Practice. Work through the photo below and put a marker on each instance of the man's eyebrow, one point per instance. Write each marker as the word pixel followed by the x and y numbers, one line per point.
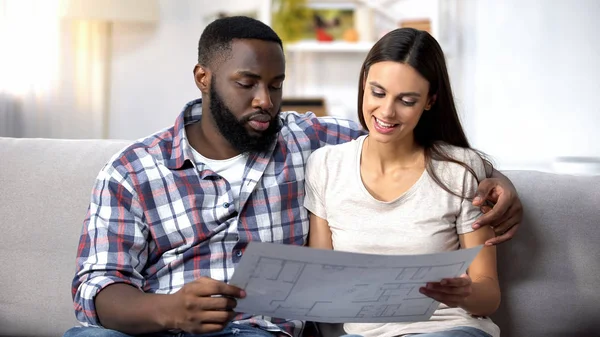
pixel 402 94
pixel 247 73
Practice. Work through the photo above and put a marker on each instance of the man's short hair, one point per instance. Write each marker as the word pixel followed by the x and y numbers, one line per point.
pixel 215 41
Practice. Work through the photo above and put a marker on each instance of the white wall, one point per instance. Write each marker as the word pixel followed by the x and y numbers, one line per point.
pixel 531 79
pixel 526 74
pixel 152 65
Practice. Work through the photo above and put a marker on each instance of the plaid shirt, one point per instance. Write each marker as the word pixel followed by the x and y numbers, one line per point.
pixel 158 220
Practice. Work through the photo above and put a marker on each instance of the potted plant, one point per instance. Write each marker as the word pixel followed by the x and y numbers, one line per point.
pixel 290 18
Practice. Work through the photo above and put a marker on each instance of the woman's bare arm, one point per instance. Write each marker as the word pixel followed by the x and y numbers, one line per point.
pixel 485 296
pixel 319 235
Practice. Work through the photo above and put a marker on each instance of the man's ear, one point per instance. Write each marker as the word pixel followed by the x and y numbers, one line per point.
pixel 202 77
pixel 430 102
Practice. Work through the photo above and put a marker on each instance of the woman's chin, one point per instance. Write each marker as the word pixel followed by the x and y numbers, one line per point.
pixel 389 138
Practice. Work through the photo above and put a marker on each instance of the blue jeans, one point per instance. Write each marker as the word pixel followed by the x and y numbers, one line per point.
pixel 232 330
pixel 461 331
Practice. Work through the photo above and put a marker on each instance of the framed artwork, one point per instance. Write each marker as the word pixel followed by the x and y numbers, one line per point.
pixel 330 21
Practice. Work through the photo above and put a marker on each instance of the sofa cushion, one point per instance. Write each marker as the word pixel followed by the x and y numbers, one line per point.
pixel 46 186
pixel 550 271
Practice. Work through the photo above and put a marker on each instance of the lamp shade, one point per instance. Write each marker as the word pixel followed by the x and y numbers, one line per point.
pixel 111 10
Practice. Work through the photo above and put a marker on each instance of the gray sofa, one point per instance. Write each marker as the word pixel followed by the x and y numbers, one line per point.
pixel 550 273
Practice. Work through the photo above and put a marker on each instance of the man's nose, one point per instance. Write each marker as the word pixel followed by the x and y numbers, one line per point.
pixel 262 99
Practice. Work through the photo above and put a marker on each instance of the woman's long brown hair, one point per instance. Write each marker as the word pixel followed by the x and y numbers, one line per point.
pixel 440 125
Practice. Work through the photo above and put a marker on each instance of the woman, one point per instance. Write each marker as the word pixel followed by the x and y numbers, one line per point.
pixel 406 187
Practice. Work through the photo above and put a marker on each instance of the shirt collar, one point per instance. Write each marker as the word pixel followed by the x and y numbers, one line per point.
pixel 181 150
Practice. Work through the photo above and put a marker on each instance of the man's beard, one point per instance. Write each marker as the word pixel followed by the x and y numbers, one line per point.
pixel 234 130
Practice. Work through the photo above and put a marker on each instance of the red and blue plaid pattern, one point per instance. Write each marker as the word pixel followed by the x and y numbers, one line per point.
pixel 157 220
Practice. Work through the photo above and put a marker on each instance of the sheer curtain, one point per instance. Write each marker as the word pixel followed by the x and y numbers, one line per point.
pixel 53 72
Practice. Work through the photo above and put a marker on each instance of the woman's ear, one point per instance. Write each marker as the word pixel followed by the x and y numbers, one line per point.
pixel 430 102
pixel 202 78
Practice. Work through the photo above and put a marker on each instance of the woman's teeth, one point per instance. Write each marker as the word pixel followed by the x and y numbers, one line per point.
pixel 382 124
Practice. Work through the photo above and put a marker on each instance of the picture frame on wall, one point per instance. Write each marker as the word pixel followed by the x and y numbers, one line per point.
pixel 331 21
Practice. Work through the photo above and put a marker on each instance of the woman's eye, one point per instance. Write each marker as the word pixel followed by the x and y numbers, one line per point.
pixel 377 93
pixel 277 86
pixel 408 103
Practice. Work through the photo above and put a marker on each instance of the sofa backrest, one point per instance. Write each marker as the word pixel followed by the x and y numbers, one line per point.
pixel 550 271
pixel 45 188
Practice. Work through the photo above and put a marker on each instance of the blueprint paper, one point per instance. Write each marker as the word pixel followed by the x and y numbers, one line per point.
pixel 301 283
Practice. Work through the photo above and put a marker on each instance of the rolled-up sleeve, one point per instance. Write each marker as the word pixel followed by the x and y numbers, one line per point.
pixel 468 212
pixel 113 246
pixel 315 183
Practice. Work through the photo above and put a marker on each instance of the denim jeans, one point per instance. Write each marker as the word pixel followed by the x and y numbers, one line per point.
pixel 461 331
pixel 232 330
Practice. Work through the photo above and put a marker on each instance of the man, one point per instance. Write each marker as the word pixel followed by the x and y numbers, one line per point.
pixel 170 215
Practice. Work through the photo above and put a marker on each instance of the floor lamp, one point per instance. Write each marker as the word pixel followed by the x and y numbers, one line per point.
pixel 110 11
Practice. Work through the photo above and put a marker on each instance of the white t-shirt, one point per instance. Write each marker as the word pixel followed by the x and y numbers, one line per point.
pixel 425 219
pixel 231 169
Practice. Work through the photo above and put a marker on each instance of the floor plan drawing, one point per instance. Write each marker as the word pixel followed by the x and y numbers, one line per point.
pixel 328 286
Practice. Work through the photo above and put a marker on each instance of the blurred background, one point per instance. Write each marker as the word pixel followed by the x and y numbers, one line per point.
pixel 525 73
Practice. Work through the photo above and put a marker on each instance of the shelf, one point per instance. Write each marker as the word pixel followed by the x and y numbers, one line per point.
pixel 334 46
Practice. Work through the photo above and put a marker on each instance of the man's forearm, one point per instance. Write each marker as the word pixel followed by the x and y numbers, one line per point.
pixel 507 183
pixel 126 309
pixel 496 174
pixel 491 172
